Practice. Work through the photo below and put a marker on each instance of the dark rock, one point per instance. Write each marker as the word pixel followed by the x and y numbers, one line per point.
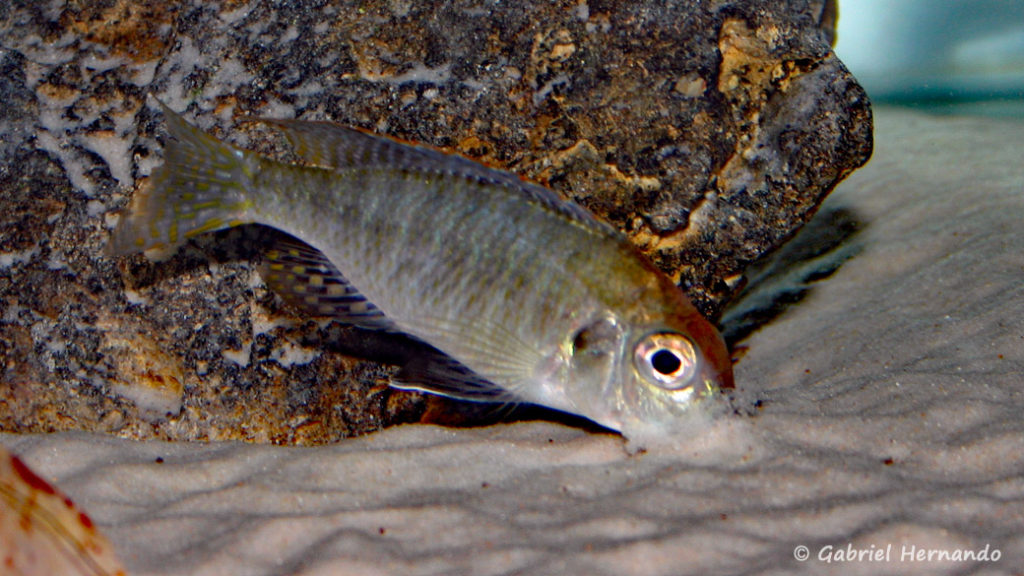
pixel 707 132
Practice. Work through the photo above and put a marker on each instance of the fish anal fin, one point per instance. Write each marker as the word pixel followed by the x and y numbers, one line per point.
pixel 307 280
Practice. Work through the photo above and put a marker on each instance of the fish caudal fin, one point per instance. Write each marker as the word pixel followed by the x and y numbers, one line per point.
pixel 202 186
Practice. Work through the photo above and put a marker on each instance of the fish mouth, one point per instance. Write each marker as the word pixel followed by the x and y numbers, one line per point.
pixel 660 410
pixel 685 412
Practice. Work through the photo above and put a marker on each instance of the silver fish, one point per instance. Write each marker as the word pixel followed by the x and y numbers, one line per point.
pixel 527 296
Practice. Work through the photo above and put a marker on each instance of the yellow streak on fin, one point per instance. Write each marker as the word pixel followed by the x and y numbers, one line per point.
pixel 210 225
pixel 201 187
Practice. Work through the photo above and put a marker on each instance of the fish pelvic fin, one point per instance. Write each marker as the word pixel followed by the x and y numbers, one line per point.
pixel 202 186
pixel 435 372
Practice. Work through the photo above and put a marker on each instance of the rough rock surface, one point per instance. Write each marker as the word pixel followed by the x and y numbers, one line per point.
pixel 707 132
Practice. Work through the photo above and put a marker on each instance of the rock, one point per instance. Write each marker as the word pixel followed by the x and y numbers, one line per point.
pixel 707 133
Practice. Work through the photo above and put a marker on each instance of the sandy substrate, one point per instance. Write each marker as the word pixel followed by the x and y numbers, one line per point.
pixel 889 428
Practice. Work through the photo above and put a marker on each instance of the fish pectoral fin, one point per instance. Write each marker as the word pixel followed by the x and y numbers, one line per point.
pixel 307 280
pixel 486 348
pixel 437 373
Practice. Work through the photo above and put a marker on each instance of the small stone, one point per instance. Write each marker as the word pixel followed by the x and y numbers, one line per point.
pixel 691 86
pixel 142 370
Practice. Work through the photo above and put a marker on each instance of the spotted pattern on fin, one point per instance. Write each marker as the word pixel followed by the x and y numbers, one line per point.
pixel 203 185
pixel 306 279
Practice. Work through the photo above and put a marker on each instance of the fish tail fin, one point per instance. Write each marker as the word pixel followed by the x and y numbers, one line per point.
pixel 203 185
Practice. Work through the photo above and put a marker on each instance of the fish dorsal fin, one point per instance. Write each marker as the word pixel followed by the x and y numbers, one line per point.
pixel 306 279
pixel 329 145
pixel 437 373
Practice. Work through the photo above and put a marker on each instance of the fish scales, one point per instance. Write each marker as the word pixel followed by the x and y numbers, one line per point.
pixel 422 239
pixel 440 248
pixel 526 292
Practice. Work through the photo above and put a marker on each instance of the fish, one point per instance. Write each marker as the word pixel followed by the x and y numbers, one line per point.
pixel 522 295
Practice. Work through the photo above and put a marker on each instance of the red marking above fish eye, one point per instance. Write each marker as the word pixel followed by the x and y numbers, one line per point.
pixel 30 477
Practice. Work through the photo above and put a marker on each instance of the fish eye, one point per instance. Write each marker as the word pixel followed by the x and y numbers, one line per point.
pixel 666 359
pixel 665 362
